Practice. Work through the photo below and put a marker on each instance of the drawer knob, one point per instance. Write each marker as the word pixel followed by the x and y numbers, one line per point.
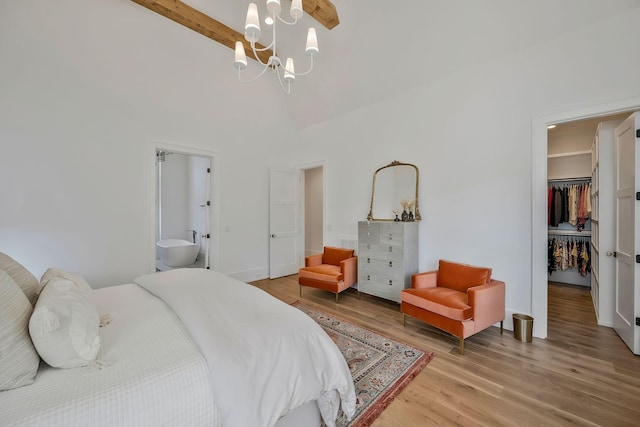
pixel 368 260
pixel 368 277
pixel 390 248
pixel 390 282
pixel 390 263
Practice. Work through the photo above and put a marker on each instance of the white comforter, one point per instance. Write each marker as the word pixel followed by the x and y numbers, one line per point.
pixel 265 357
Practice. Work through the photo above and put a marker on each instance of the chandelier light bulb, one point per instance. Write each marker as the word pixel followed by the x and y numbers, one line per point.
pixel 241 58
pixel 273 5
pixel 312 42
pixel 252 24
pixel 296 9
pixel 289 71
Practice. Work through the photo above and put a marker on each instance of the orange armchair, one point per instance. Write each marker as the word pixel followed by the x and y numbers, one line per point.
pixel 334 270
pixel 457 298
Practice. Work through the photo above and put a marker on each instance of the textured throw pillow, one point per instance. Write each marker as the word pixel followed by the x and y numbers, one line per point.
pixel 462 276
pixel 18 358
pixel 27 281
pixel 65 325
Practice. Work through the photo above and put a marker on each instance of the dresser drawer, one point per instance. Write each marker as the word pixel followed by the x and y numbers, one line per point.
pixel 385 270
pixel 380 252
pixel 374 286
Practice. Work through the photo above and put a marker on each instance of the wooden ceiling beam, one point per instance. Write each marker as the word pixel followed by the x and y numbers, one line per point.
pixel 199 22
pixel 322 11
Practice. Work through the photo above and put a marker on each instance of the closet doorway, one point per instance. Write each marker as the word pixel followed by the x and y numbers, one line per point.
pixel 581 202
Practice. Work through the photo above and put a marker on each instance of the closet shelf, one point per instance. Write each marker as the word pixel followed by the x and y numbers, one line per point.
pixel 586 233
pixel 569 154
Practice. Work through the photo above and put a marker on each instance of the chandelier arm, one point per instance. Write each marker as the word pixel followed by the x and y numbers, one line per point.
pixel 255 54
pixel 284 21
pixel 304 73
pixel 266 67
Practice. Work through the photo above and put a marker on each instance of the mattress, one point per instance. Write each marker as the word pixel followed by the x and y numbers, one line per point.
pixel 150 372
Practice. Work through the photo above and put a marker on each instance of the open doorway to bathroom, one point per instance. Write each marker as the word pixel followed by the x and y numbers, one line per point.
pixel 183 203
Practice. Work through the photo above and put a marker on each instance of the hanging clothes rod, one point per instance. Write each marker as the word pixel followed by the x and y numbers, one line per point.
pixel 586 178
pixel 586 233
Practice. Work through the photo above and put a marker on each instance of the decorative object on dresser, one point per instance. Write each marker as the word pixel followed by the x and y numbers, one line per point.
pixel 457 298
pixel 334 270
pixel 387 257
pixel 395 185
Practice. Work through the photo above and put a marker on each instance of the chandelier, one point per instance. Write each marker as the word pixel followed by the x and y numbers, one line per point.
pixel 286 73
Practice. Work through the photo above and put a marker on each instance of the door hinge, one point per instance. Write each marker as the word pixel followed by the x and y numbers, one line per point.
pixel 208 236
pixel 208 203
pixel 208 170
pixel 637 321
pixel 615 254
pixel 637 133
pixel 637 259
pixel 638 195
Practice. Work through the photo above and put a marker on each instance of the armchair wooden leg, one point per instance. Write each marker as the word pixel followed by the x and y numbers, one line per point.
pixel 501 322
pixel 337 297
pixel 462 346
pixel 300 289
pixel 403 315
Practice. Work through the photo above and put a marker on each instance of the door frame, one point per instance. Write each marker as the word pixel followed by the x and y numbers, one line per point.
pixel 539 196
pixel 214 210
pixel 302 167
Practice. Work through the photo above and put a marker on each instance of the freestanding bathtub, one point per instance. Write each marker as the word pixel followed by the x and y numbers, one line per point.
pixel 177 252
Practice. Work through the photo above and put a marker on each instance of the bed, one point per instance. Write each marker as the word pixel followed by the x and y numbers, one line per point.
pixel 192 347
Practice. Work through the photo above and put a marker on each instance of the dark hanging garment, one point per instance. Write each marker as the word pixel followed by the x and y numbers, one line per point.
pixel 557 206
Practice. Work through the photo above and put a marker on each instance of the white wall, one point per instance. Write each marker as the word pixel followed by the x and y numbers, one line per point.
pixel 174 196
pixel 470 135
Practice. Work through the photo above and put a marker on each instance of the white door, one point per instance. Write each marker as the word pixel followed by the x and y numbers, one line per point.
pixel 627 181
pixel 284 224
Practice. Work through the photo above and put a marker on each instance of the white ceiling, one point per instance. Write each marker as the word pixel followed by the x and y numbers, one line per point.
pixel 382 48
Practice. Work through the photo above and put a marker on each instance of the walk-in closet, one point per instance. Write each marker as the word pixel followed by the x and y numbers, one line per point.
pixel 581 231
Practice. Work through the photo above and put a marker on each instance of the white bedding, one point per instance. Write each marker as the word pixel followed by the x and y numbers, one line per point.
pixel 154 374
pixel 265 357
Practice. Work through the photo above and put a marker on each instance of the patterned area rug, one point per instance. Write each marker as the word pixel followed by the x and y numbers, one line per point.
pixel 380 366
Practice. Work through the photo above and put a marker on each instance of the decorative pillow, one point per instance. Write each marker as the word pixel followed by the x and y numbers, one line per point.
pixel 18 358
pixel 27 281
pixel 333 255
pixel 78 281
pixel 65 325
pixel 462 276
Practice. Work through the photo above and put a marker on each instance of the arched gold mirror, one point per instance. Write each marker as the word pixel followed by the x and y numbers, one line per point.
pixel 394 190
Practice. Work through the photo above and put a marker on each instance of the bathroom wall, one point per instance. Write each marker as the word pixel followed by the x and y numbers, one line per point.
pixel 183 194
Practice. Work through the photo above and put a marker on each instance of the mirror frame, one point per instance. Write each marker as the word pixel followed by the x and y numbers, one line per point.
pixel 417 216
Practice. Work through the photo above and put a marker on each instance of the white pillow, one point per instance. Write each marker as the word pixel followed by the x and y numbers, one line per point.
pixel 77 280
pixel 27 281
pixel 18 358
pixel 65 324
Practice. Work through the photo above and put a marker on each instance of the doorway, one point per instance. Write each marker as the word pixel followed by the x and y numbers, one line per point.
pixel 313 211
pixel 184 208
pixel 539 251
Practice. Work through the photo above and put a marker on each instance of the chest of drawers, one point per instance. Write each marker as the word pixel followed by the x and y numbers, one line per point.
pixel 387 257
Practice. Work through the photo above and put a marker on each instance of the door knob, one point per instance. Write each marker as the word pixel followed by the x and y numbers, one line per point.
pixel 273 236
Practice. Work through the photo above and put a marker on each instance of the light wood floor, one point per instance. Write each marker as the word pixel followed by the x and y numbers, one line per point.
pixel 582 374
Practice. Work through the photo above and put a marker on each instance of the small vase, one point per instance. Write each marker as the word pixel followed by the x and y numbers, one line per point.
pixel 410 216
pixel 405 215
pixel 397 219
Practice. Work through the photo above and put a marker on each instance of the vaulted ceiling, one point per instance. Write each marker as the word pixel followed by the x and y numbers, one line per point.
pixel 380 48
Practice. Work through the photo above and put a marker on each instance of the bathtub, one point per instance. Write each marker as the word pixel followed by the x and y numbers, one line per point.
pixel 177 252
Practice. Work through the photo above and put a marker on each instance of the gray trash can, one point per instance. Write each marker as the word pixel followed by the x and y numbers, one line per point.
pixel 522 327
